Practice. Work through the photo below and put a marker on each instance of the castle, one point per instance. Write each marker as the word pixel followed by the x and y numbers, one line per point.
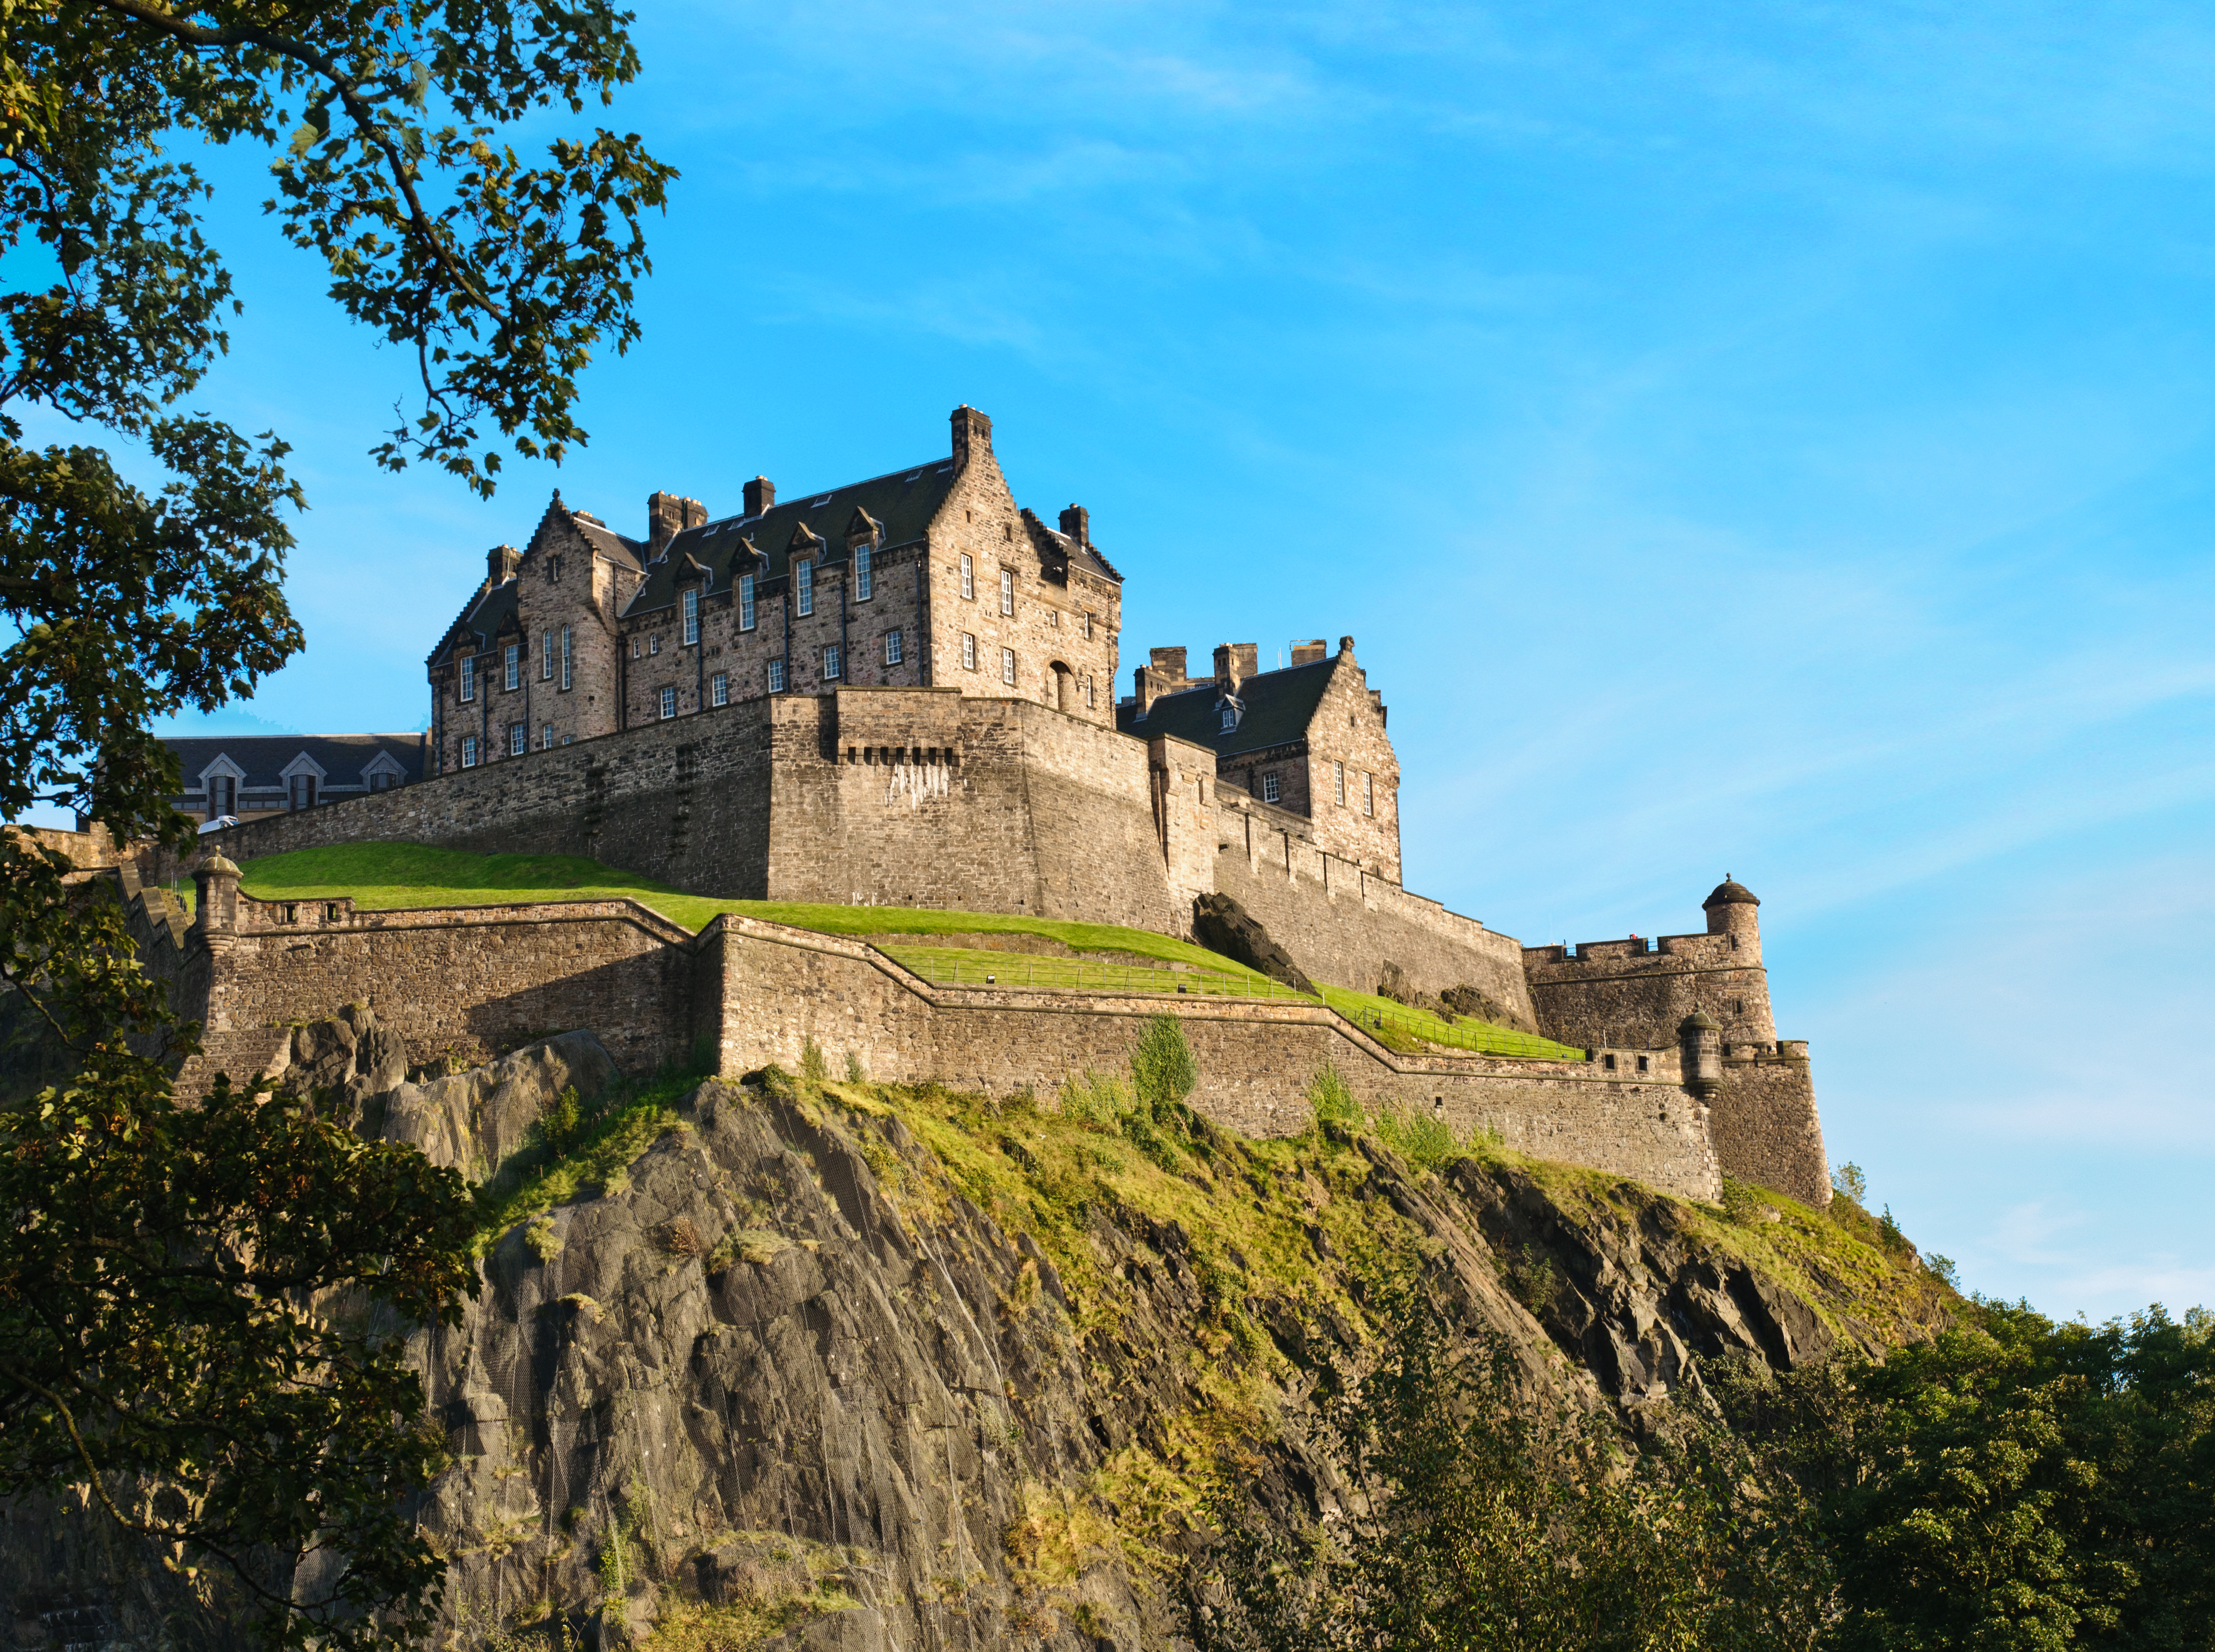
pixel 901 692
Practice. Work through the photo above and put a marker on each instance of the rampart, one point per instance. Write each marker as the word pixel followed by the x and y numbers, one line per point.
pixel 473 980
pixel 917 797
pixel 1636 992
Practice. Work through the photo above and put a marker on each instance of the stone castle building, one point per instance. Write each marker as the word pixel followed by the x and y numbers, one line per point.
pixel 900 691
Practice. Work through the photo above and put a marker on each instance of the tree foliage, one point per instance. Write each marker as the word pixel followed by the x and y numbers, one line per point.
pixel 197 1303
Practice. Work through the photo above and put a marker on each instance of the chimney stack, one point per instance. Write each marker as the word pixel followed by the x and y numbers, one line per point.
pixel 1307 653
pixel 500 565
pixel 664 520
pixel 1234 662
pixel 1077 524
pixel 761 497
pixel 972 434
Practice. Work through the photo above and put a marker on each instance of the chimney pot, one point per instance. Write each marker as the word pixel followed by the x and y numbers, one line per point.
pixel 761 496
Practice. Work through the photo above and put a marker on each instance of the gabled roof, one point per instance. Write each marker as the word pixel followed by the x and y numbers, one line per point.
pixel 1080 554
pixel 342 757
pixel 487 613
pixel 902 502
pixel 1279 706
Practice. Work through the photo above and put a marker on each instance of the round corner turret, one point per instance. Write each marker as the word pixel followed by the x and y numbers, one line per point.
pixel 216 877
pixel 1734 910
pixel 1700 1039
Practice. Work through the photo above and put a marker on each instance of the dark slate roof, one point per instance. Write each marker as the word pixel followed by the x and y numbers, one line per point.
pixel 265 756
pixel 488 612
pixel 1080 554
pixel 901 503
pixel 1278 707
pixel 1729 893
pixel 617 548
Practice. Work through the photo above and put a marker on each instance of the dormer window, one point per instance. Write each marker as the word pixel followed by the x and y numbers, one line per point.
pixel 691 618
pixel 864 582
pixel 803 582
pixel 1230 715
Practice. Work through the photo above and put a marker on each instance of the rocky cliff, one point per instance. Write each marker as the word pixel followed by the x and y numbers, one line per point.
pixel 827 1364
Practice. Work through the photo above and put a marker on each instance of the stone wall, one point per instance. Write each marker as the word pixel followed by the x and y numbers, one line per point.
pixel 1764 1122
pixel 1343 926
pixel 1634 993
pixel 469 981
pixel 782 987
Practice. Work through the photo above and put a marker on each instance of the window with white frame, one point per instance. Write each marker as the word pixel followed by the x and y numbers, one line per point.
pixel 669 702
pixel 718 690
pixel 518 739
pixel 803 582
pixel 830 662
pixel 745 602
pixel 653 644
pixel 691 618
pixel 1338 771
pixel 514 665
pixel 892 654
pixel 968 650
pixel 1007 590
pixel 546 737
pixel 864 579
pixel 546 656
pixel 468 751
pixel 968 578
pixel 776 677
pixel 1229 717
pixel 1008 666
pixel 469 676
pixel 568 670
pixel 1270 789
pixel 1368 794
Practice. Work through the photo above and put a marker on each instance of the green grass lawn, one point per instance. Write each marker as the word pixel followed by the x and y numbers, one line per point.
pixel 395 877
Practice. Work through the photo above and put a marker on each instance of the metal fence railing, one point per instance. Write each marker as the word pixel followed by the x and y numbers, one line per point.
pixel 944 966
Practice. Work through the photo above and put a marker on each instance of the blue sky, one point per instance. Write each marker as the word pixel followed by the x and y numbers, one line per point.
pixel 1761 439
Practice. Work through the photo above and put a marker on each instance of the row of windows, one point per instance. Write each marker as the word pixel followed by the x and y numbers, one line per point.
pixel 1368 789
pixel 512 664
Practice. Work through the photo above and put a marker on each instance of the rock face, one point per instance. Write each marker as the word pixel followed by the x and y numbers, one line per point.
pixel 837 1366
pixel 1221 925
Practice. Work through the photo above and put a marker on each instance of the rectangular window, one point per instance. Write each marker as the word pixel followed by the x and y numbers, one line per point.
pixel 222 795
pixel 968 578
pixel 776 677
pixel 718 690
pixel 1008 666
pixel 968 651
pixel 469 678
pixel 1338 771
pixel 515 664
pixel 469 751
pixel 1088 624
pixel 1270 792
pixel 864 581
pixel 546 656
pixel 892 648
pixel 830 662
pixel 803 581
pixel 1087 691
pixel 653 644
pixel 303 791
pixel 546 739
pixel 1368 794
pixel 669 702
pixel 691 618
pixel 518 739
pixel 745 602
pixel 568 672
pixel 1007 590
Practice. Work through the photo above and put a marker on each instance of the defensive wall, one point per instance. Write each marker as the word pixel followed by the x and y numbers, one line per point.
pixel 472 981
pixel 919 797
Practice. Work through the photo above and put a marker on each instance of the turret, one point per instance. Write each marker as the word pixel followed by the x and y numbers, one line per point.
pixel 1732 910
pixel 216 880
pixel 1700 1037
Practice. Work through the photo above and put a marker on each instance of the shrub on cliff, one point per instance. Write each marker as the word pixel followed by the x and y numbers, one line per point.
pixel 1163 1069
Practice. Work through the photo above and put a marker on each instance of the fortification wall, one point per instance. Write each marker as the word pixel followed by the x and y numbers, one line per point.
pixel 469 982
pixel 1636 992
pixel 685 801
pixel 1343 926
pixel 780 988
pixel 1764 1123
